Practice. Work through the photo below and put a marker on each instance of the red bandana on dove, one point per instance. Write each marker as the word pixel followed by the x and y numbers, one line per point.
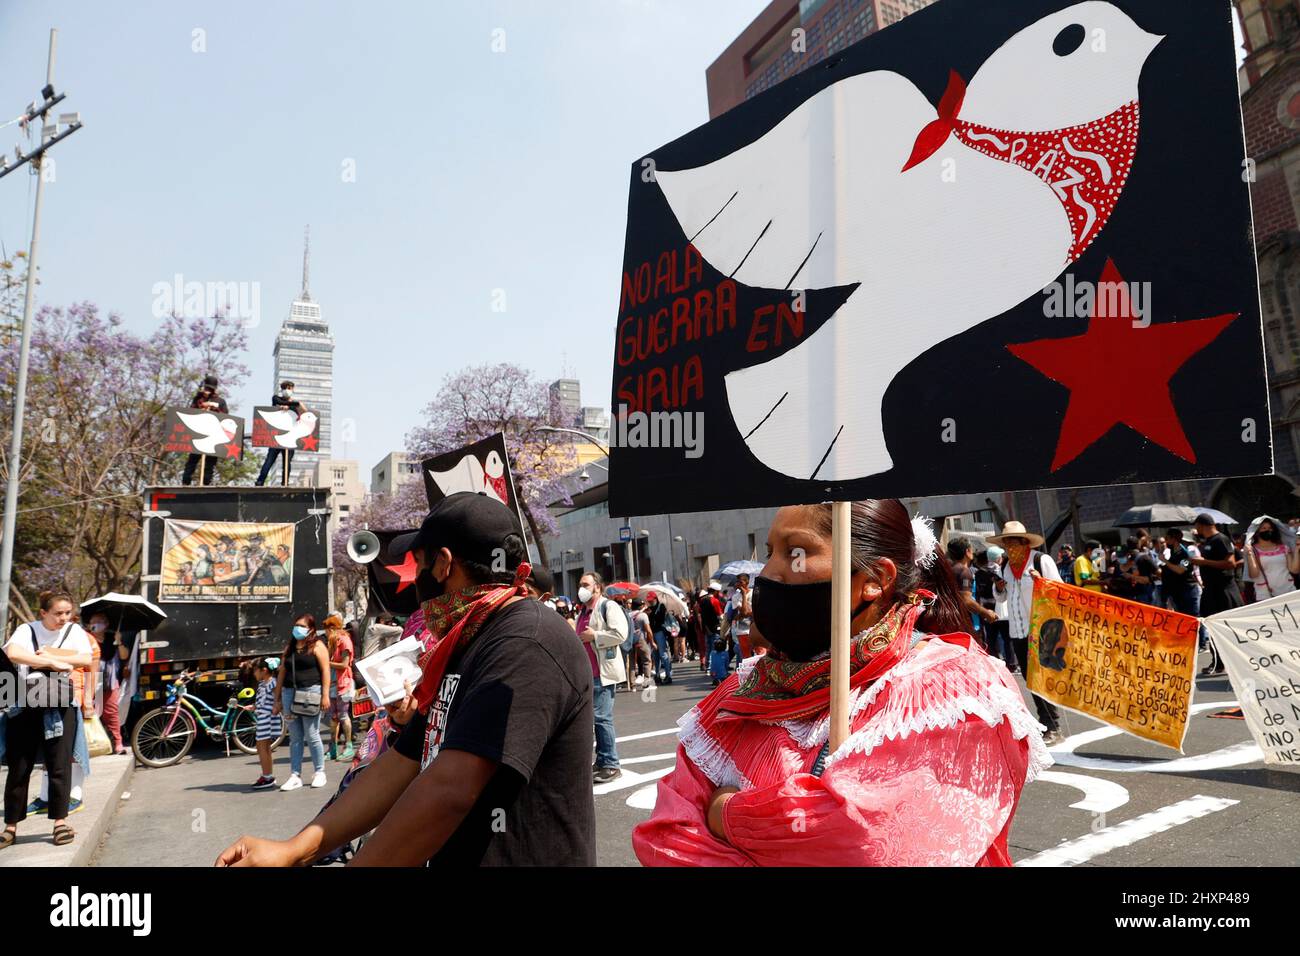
pixel 1086 166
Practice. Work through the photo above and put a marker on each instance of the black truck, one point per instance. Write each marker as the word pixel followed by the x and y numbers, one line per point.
pixel 232 567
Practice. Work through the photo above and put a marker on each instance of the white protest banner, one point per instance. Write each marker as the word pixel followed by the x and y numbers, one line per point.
pixel 1260 647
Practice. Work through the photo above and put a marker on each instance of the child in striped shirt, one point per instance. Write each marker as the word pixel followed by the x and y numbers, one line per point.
pixel 268 723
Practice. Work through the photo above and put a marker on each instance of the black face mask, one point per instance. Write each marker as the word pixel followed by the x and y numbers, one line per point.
pixel 1267 536
pixel 796 618
pixel 427 587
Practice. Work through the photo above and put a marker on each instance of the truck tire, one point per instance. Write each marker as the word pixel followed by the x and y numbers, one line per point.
pixel 153 749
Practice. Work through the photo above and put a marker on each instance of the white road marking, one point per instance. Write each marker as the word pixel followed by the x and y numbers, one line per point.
pixel 652 733
pixel 630 778
pixel 624 761
pixel 644 799
pixel 1233 756
pixel 1084 848
pixel 1099 796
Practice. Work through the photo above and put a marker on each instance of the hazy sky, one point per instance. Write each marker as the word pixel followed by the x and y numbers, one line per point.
pixel 474 171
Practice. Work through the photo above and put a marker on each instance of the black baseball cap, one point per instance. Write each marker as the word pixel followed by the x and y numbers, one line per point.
pixel 470 526
pixel 211 381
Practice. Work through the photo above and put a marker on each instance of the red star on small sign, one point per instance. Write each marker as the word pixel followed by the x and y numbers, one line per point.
pixel 406 571
pixel 310 442
pixel 1086 363
pixel 232 450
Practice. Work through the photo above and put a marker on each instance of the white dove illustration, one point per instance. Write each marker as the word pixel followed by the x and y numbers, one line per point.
pixel 214 431
pixel 465 475
pixel 943 219
pixel 291 428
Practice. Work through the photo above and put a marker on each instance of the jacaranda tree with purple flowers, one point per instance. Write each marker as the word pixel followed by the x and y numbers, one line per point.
pixel 480 401
pixel 97 395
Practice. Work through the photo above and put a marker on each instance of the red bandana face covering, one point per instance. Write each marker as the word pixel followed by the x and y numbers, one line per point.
pixel 1086 166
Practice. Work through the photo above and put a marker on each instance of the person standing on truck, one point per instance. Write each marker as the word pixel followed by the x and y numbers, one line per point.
pixel 207 399
pixel 301 679
pixel 282 399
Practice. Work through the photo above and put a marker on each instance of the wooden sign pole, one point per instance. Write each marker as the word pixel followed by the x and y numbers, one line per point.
pixel 841 605
pixel 203 469
pixel 284 456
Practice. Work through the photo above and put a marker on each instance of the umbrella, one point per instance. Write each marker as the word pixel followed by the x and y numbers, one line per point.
pixel 1157 516
pixel 131 612
pixel 620 588
pixel 1286 532
pixel 670 600
pixel 733 569
pixel 1218 516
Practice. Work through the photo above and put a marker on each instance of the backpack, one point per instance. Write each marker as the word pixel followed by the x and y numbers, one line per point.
pixel 630 640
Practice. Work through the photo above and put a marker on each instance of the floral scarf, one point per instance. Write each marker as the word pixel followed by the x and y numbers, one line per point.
pixel 454 619
pixel 778 689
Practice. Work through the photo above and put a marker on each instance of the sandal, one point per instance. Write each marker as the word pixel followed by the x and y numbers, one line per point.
pixel 63 834
pixel 7 838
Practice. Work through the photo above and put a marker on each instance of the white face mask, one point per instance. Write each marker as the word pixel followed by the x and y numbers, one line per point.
pixel 584 595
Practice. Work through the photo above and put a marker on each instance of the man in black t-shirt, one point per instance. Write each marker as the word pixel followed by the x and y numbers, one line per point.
pixel 1176 579
pixel 495 769
pixel 1219 591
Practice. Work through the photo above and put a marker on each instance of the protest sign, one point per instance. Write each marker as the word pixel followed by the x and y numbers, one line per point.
pixel 1260 648
pixel 482 467
pixel 809 279
pixel 278 427
pixel 1126 664
pixel 196 432
pixel 392 578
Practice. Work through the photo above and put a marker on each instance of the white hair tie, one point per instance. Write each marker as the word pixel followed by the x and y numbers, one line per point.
pixel 923 542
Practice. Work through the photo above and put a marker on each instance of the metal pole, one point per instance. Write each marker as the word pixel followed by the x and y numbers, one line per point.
pixel 20 388
pixel 841 610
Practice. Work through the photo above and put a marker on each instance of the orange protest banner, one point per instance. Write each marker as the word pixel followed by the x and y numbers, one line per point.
pixel 1127 664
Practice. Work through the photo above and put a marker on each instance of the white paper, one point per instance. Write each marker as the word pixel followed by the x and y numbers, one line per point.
pixel 387 671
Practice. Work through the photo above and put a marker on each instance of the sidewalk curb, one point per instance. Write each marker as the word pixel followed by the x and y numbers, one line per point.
pixel 102 792
pixel 87 848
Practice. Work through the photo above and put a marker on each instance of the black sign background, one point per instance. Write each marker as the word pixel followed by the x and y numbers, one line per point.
pixel 1183 223
pixel 480 450
pixel 180 439
pixel 386 574
pixel 264 435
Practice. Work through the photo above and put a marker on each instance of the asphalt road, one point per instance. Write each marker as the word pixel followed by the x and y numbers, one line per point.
pixel 1111 799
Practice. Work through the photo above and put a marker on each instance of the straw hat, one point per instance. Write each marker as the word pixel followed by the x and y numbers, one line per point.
pixel 1014 529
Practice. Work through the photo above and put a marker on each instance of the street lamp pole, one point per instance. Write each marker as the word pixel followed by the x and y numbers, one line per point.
pixel 36 158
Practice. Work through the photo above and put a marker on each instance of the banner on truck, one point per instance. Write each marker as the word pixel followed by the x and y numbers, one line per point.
pixel 223 561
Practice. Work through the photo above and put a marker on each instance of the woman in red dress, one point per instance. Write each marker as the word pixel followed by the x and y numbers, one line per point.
pixel 940 746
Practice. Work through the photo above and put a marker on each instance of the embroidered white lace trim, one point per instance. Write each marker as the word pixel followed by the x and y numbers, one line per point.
pixel 929 697
pixel 705 752
pixel 925 697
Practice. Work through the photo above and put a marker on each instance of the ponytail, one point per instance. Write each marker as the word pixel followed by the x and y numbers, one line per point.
pixel 946 615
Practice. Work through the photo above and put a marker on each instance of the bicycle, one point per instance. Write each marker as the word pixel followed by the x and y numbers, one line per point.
pixel 164 735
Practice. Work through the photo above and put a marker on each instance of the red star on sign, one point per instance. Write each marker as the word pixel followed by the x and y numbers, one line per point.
pixel 406 571
pixel 1085 363
pixel 232 450
pixel 310 442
